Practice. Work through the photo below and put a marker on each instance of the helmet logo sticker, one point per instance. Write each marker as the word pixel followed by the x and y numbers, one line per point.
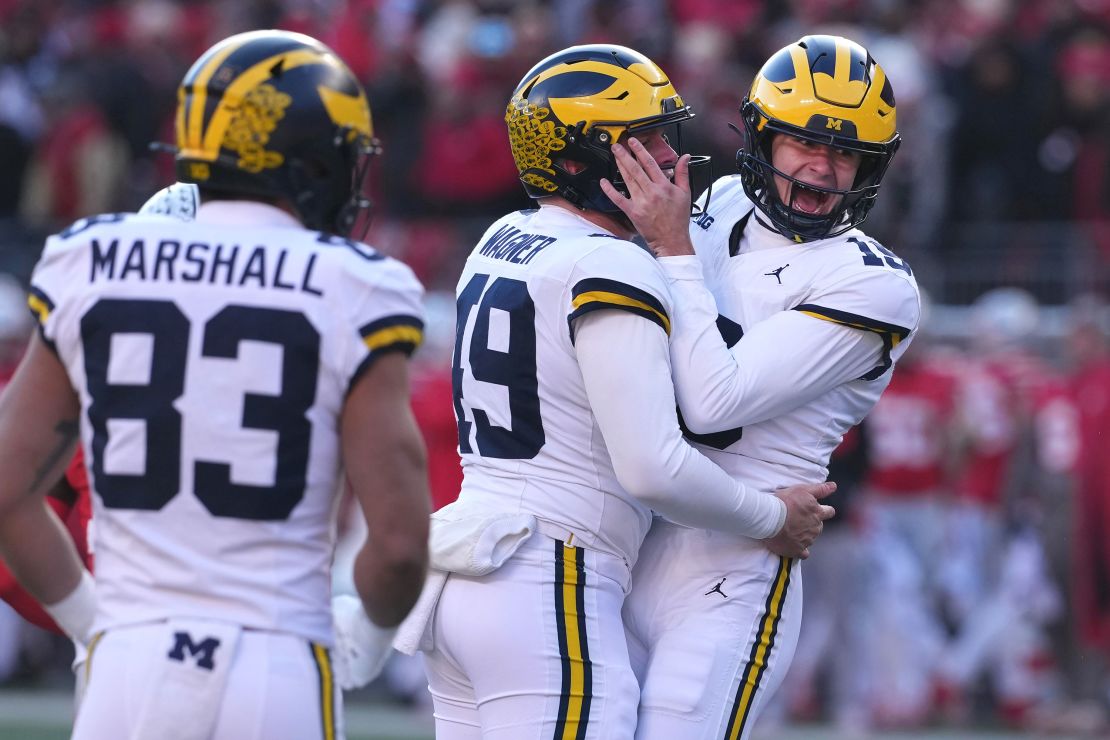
pixel 533 139
pixel 834 123
pixel 250 127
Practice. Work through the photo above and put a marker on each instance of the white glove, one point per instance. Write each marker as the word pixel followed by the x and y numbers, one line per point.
pixel 361 647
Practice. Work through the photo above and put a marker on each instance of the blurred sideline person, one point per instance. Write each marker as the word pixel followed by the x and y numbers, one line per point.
pixel 786 326
pixel 218 372
pixel 1022 432
pixel 916 438
pixel 567 427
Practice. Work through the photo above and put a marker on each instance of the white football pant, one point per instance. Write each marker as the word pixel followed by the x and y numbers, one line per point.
pixel 207 680
pixel 713 621
pixel 534 650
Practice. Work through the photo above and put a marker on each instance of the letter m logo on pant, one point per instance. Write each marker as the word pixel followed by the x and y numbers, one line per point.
pixel 203 651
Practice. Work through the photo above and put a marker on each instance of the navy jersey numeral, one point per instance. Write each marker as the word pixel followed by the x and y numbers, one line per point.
pixel 151 402
pixel 284 414
pixel 877 255
pixel 514 368
pixel 149 399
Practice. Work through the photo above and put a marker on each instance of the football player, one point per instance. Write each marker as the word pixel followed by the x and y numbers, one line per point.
pixel 792 347
pixel 567 425
pixel 217 372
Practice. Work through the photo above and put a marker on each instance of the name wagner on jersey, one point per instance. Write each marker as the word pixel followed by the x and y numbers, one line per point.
pixel 513 245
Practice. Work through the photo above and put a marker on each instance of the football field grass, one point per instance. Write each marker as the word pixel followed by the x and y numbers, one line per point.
pixel 47 715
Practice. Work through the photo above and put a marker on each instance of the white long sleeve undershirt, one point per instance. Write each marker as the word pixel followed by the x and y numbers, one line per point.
pixel 781 363
pixel 625 366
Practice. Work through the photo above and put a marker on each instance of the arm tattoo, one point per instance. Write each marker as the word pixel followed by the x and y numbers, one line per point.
pixel 67 433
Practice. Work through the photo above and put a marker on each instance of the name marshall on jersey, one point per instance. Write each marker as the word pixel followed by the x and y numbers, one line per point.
pixel 198 262
pixel 513 245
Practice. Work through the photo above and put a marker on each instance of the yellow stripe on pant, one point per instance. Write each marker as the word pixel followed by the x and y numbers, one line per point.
pixel 757 662
pixel 577 687
pixel 327 690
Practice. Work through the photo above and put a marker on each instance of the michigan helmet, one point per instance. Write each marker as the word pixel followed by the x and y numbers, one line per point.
pixel 828 90
pixel 573 106
pixel 275 114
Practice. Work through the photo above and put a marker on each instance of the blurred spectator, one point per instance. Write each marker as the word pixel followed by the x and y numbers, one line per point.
pixel 908 216
pixel 1090 356
pixel 994 136
pixel 914 434
pixel 463 164
pixel 999 577
pixel 1076 151
pixel 79 165
pixel 21 118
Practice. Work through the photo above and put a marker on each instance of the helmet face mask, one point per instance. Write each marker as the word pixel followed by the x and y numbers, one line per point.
pixel 277 116
pixel 573 106
pixel 829 91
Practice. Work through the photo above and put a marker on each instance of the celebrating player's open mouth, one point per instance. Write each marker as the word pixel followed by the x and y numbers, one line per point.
pixel 810 200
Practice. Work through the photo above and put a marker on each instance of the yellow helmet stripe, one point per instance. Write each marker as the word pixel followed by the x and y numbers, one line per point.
pixel 841 71
pixel 249 79
pixel 199 87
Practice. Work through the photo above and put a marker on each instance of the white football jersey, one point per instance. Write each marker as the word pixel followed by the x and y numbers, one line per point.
pixel 527 436
pixel 755 274
pixel 212 359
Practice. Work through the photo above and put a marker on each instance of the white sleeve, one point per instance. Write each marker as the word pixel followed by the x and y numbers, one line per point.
pixel 382 300
pixel 626 371
pixel 780 364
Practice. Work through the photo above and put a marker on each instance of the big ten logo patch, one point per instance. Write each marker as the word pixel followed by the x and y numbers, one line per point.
pixel 204 652
pixel 704 220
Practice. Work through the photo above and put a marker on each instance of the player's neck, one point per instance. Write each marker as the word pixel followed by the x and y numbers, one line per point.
pixel 611 223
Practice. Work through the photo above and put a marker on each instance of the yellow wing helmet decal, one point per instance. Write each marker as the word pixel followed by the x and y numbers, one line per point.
pixel 636 93
pixel 827 82
pixel 537 132
pixel 251 108
pixel 348 111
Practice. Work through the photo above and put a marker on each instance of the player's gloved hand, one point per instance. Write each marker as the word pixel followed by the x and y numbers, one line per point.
pixel 805 518
pixel 361 647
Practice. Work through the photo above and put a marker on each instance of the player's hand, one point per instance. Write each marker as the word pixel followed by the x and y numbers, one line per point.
pixel 656 206
pixel 805 518
pixel 361 647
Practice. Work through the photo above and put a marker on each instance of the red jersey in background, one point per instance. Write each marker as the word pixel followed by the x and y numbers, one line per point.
pixel 909 430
